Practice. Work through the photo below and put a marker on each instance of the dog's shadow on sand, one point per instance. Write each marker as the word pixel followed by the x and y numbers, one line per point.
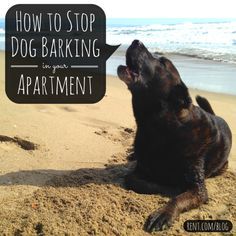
pixel 111 174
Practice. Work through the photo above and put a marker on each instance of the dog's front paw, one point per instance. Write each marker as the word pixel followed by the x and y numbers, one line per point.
pixel 159 220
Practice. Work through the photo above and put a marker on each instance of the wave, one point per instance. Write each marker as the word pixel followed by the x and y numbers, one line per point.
pixel 209 40
pixel 197 53
pixel 213 57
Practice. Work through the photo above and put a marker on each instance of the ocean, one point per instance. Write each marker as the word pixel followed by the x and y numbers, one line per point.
pixel 211 39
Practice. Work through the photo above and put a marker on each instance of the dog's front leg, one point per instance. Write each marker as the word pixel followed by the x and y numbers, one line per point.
pixel 138 184
pixel 192 198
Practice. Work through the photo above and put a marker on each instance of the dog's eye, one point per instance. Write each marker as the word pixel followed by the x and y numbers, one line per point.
pixel 162 61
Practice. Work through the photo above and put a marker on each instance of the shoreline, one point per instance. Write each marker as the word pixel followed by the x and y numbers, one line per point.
pixel 194 90
pixel 207 75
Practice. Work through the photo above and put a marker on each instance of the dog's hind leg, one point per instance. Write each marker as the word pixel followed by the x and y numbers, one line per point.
pixel 139 185
pixel 219 171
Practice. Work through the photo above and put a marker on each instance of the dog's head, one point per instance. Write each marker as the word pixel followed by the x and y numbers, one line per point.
pixel 156 77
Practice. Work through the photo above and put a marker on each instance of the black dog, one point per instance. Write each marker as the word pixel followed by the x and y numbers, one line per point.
pixel 177 144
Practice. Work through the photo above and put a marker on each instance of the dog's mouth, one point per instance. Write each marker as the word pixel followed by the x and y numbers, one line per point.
pixel 127 75
pixel 135 56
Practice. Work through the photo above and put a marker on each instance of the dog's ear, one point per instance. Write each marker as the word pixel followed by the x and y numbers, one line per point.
pixel 179 97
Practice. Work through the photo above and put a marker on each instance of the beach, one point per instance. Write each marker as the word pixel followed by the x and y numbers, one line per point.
pixel 62 169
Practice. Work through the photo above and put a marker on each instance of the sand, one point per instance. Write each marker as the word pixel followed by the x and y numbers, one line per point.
pixel 62 168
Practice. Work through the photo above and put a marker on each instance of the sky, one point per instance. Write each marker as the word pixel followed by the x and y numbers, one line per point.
pixel 147 8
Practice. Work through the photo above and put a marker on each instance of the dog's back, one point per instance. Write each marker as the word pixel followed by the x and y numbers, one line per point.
pixel 223 142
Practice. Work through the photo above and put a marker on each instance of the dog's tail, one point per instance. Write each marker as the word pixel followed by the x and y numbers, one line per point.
pixel 204 104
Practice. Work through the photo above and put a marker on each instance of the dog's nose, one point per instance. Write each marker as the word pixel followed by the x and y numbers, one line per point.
pixel 136 43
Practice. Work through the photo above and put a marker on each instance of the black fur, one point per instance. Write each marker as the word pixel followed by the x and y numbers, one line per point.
pixel 204 104
pixel 177 144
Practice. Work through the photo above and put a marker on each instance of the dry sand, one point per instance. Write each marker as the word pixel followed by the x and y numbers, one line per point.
pixel 71 183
